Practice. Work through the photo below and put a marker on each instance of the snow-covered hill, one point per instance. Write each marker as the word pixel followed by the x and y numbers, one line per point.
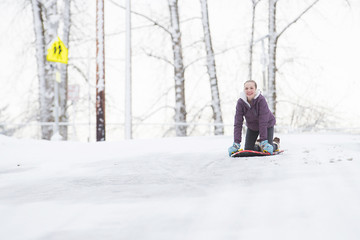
pixel 180 188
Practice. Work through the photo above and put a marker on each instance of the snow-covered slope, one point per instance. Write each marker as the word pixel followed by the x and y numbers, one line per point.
pixel 180 188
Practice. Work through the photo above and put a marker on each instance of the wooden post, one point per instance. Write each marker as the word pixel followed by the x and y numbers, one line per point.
pixel 100 72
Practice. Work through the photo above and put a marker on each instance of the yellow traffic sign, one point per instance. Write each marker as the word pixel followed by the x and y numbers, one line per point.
pixel 57 52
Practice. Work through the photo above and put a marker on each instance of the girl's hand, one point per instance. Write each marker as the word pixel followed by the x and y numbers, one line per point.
pixel 234 148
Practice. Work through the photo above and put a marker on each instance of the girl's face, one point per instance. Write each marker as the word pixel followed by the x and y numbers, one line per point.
pixel 250 90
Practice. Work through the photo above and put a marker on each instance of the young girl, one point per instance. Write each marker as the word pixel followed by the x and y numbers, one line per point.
pixel 259 120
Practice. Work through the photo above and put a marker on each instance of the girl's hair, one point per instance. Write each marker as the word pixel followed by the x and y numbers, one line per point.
pixel 252 81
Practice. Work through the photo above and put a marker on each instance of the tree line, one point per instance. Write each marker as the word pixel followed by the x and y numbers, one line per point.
pixel 49 15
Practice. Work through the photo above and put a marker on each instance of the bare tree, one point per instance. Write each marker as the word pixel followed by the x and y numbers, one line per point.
pixel 177 63
pixel 46 22
pixel 5 130
pixel 100 72
pixel 180 109
pixel 45 25
pixel 211 67
pixel 251 45
pixel 63 86
pixel 273 38
pixel 273 41
pixel 308 116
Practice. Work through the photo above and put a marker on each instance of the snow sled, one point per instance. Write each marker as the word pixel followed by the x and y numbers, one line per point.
pixel 251 153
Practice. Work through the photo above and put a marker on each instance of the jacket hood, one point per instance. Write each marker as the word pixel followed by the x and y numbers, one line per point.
pixel 244 98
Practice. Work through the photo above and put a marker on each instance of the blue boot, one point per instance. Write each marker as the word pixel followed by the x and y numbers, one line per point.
pixel 266 147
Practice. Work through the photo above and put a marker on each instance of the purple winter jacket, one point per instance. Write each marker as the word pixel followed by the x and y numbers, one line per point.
pixel 257 115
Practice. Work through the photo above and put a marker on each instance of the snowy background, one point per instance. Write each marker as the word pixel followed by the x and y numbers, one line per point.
pixel 154 188
pixel 180 188
pixel 317 65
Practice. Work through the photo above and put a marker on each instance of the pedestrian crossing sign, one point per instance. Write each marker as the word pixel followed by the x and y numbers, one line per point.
pixel 57 52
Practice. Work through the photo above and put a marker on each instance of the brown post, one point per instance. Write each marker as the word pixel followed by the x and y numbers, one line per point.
pixel 100 72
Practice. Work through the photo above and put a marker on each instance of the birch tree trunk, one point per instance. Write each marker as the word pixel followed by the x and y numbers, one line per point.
pixel 100 72
pixel 251 45
pixel 180 109
pixel 273 41
pixel 40 58
pixel 63 86
pixel 211 67
pixel 45 27
pixel 273 38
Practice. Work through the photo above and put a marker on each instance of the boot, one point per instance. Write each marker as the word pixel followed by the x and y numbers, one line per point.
pixel 276 143
pixel 257 146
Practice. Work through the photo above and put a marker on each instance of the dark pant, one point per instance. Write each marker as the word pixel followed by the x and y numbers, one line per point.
pixel 252 135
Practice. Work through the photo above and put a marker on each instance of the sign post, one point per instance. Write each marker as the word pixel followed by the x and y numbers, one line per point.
pixel 57 52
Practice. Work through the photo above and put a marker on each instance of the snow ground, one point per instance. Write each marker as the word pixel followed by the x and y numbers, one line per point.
pixel 180 188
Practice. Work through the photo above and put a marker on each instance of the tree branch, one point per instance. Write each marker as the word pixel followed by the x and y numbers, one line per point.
pixel 255 2
pixel 156 103
pixel 215 54
pixel 348 3
pixel 157 57
pixel 143 16
pixel 296 19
